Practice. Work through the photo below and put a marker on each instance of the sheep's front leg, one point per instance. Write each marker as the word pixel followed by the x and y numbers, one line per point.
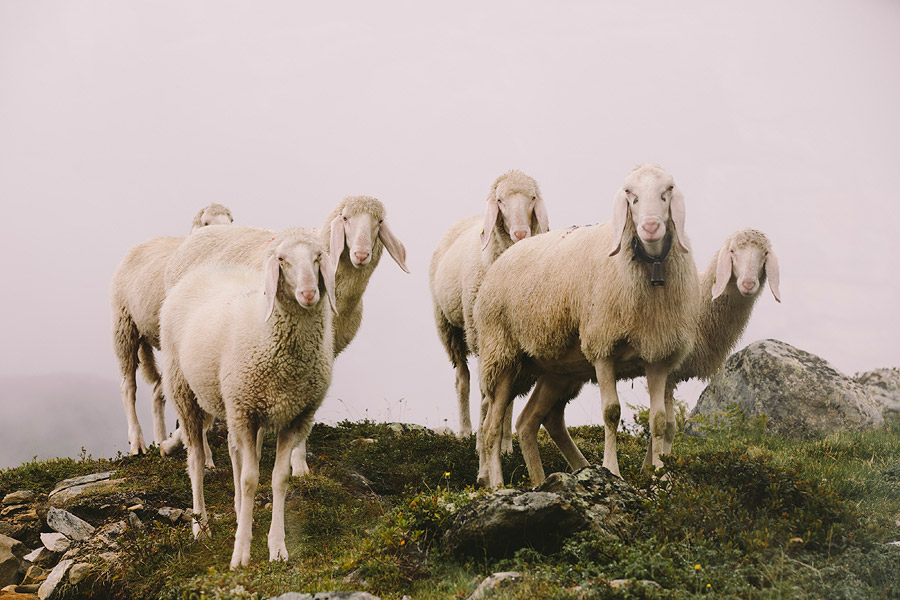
pixel 555 424
pixel 506 445
pixel 159 413
pixel 656 384
pixel 245 441
pixel 670 426
pixel 289 439
pixel 612 411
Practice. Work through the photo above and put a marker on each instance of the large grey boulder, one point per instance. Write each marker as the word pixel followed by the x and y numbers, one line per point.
pixel 799 393
pixel 884 386
pixel 68 524
pixel 566 503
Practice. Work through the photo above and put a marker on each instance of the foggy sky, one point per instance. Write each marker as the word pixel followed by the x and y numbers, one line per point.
pixel 119 120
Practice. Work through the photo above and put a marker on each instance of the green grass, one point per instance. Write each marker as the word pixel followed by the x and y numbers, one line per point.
pixel 740 515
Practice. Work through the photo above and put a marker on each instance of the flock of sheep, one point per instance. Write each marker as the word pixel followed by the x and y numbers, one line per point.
pixel 246 336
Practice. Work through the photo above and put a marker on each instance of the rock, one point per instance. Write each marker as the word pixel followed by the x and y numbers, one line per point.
pixel 134 521
pixel 884 386
pixel 799 393
pixel 35 575
pixel 55 542
pixel 49 586
pixel 492 582
pixel 79 571
pixel 11 553
pixel 170 514
pixel 72 488
pixel 326 596
pixel 68 524
pixel 19 497
pixel 109 535
pixel 42 557
pixel 10 509
pixel 501 523
pixel 13 594
pixel 23 525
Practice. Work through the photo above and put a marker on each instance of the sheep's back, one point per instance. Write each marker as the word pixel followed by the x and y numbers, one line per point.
pixel 138 285
pixel 219 244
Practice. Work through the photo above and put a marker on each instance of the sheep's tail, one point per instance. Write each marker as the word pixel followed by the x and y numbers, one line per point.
pixel 126 341
pixel 453 338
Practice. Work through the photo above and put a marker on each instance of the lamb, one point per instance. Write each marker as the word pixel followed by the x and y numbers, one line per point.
pixel 355 233
pixel 515 211
pixel 255 348
pixel 729 288
pixel 567 306
pixel 136 295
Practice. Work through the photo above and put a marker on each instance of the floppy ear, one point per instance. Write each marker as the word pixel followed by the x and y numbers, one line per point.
pixel 676 209
pixel 326 268
pixel 723 270
pixel 490 218
pixel 620 216
pixel 773 275
pixel 393 244
pixel 272 270
pixel 336 242
pixel 540 213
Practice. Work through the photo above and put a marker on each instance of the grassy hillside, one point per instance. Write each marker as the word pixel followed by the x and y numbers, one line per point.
pixel 741 515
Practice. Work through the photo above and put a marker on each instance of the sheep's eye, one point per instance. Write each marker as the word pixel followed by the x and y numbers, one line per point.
pixel 281 259
pixel 345 219
pixel 380 221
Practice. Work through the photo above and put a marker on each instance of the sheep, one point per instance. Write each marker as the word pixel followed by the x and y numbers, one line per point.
pixel 515 211
pixel 729 288
pixel 254 347
pixel 357 226
pixel 567 306
pixel 136 295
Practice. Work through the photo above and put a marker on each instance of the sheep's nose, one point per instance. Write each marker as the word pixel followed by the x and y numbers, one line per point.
pixel 519 235
pixel 361 256
pixel 650 226
pixel 309 296
pixel 748 284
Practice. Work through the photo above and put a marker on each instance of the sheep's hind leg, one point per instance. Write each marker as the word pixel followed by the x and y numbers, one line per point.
pixel 490 469
pixel 299 466
pixel 462 395
pixel 528 425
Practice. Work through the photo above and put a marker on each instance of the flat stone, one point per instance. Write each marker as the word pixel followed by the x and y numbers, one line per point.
pixel 55 542
pixel 134 521
pixel 68 524
pixel 60 496
pixel 85 479
pixel 49 586
pixel 78 572
pixel 620 583
pixel 19 497
pixel 326 596
pixel 40 556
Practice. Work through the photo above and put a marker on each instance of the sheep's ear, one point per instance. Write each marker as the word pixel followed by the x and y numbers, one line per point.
pixel 326 268
pixel 773 275
pixel 336 242
pixel 393 244
pixel 540 213
pixel 490 219
pixel 620 216
pixel 676 209
pixel 723 270
pixel 272 271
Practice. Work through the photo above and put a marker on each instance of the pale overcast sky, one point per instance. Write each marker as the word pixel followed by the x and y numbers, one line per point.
pixel 118 120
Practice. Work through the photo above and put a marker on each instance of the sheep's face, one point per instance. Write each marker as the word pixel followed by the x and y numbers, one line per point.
pixel 359 225
pixel 295 267
pixel 652 202
pixel 214 214
pixel 746 257
pixel 515 204
pixel 360 232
